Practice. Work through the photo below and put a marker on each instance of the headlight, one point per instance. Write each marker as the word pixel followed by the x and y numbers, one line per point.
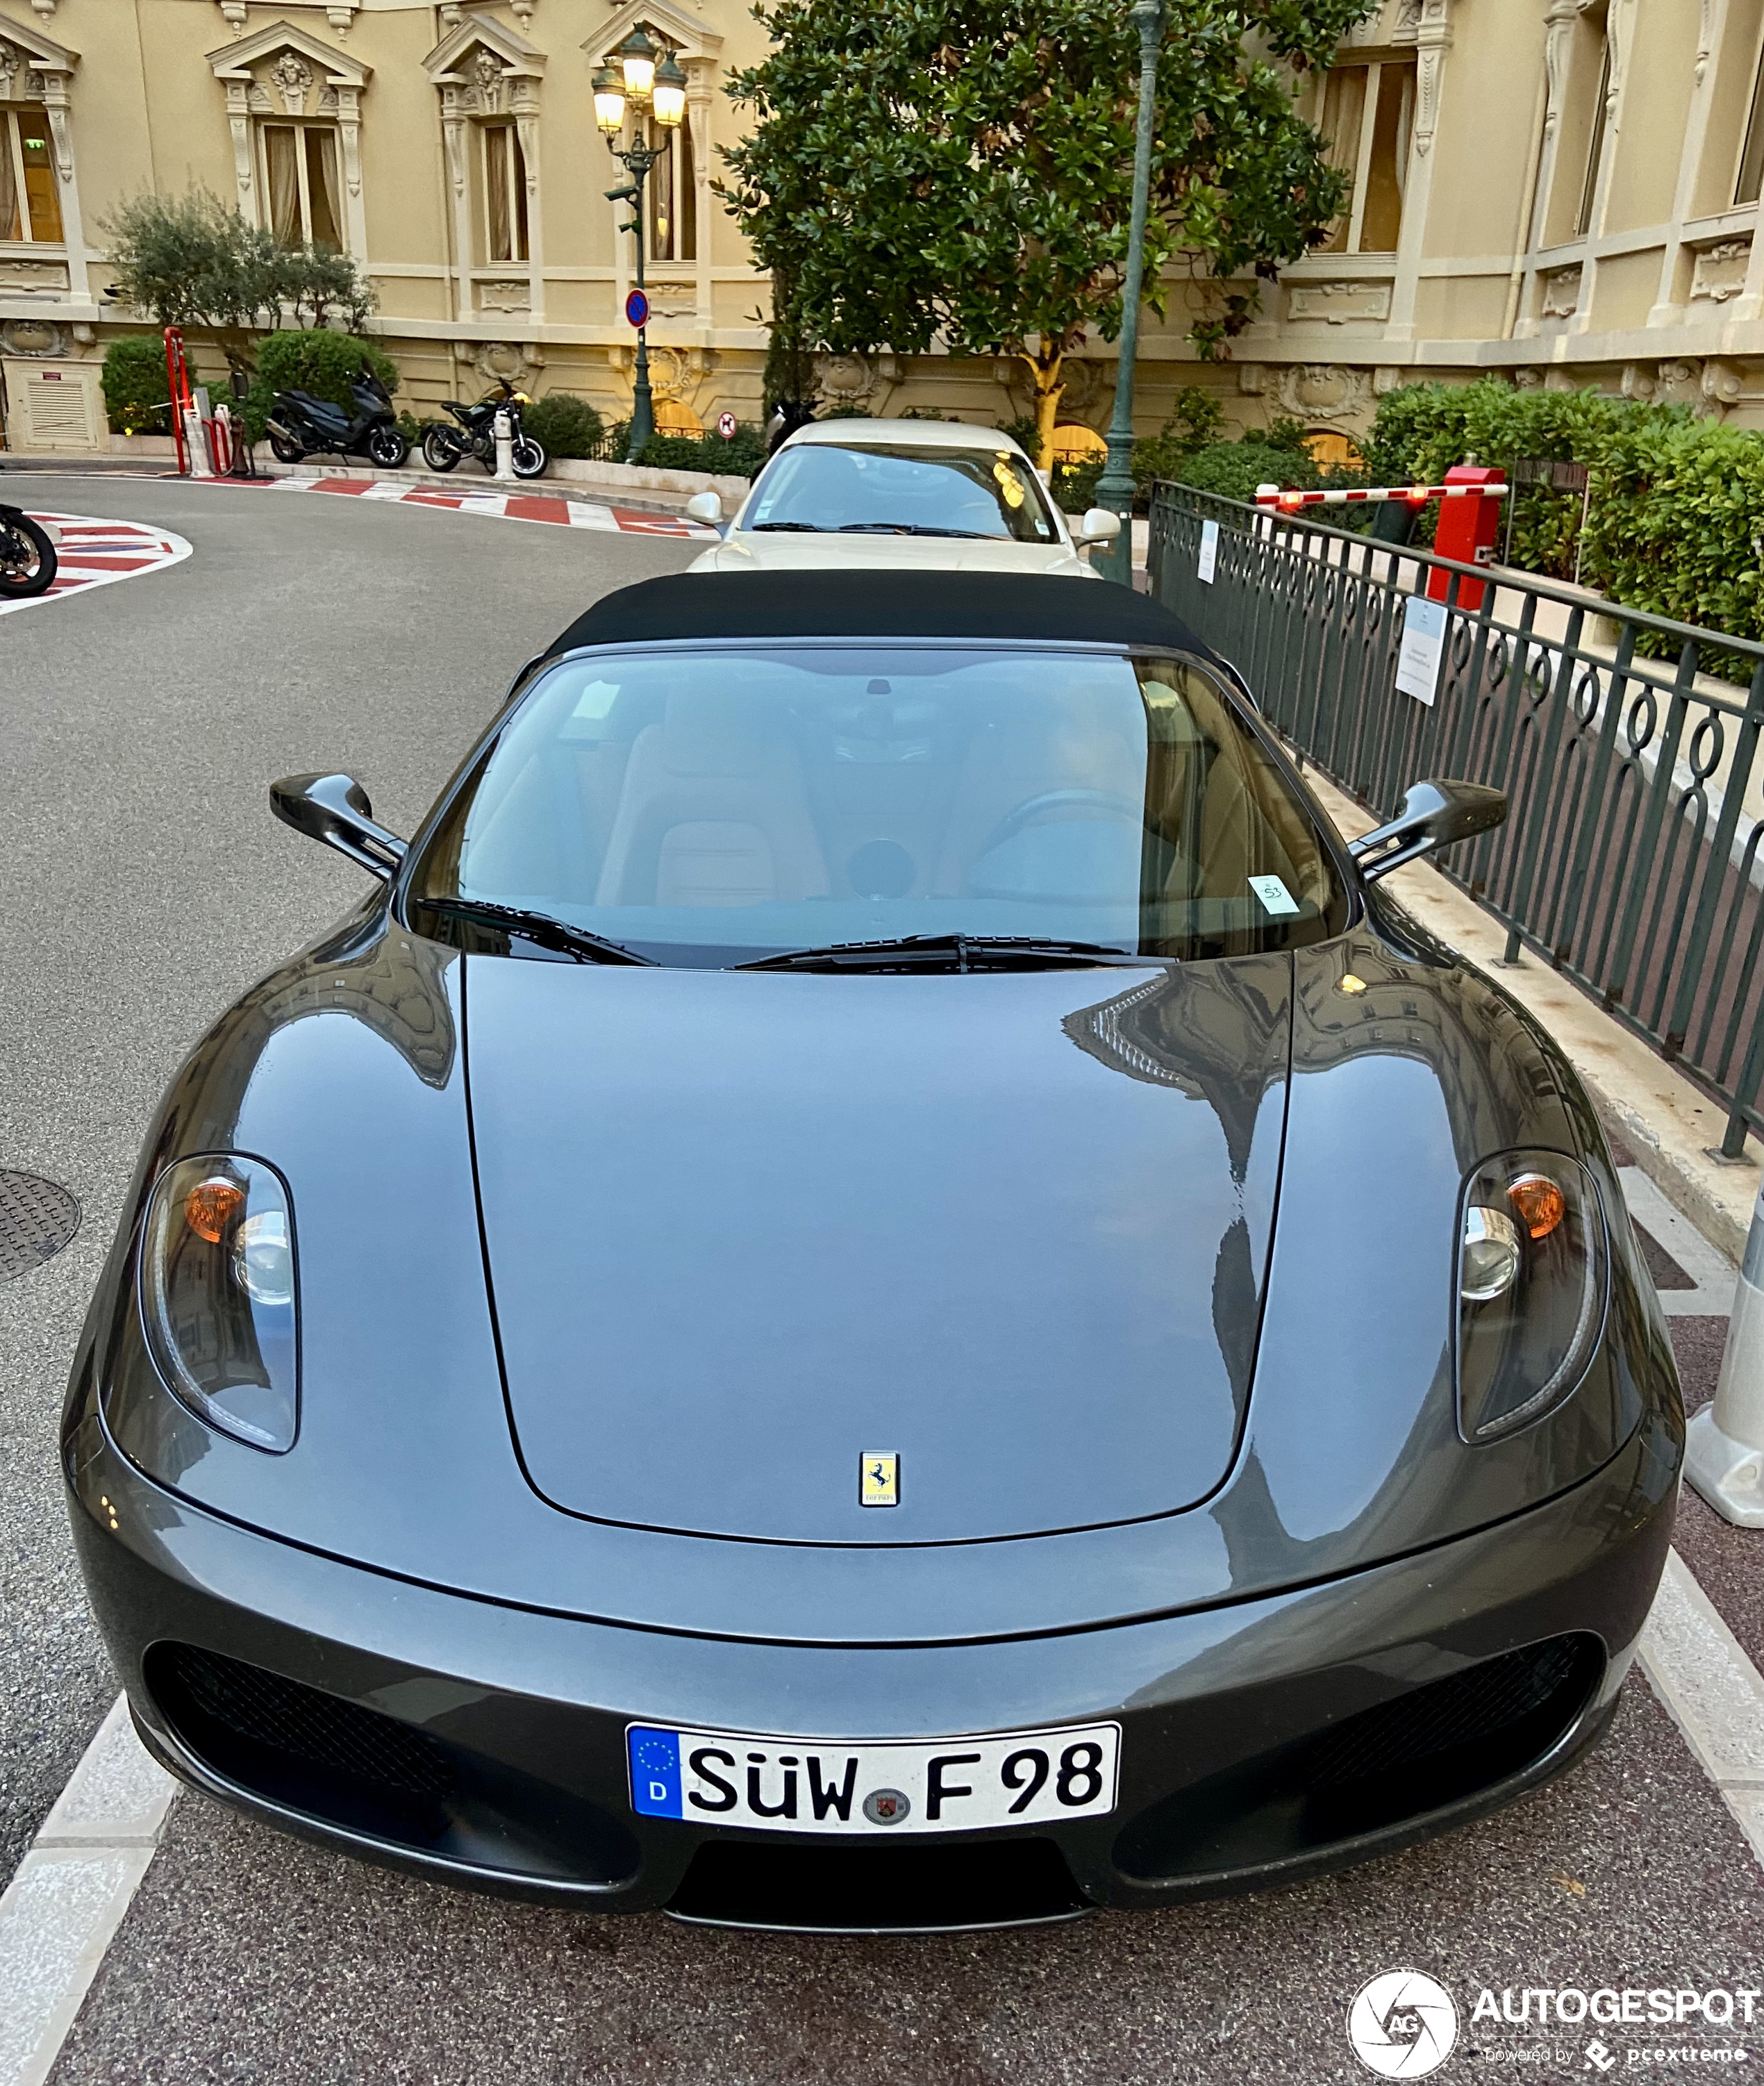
pixel 1531 1288
pixel 217 1296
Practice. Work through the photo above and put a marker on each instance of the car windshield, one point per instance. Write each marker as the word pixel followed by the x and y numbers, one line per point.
pixel 986 491
pixel 708 806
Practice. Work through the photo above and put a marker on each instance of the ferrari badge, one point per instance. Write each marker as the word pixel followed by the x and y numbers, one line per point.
pixel 878 1480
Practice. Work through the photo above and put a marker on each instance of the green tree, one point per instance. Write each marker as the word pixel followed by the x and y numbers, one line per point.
pixel 961 170
pixel 189 261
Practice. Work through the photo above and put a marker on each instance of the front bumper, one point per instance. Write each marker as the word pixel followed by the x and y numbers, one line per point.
pixel 483 1744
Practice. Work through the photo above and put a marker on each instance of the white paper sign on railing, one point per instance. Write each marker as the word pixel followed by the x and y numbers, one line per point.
pixel 1423 646
pixel 1208 558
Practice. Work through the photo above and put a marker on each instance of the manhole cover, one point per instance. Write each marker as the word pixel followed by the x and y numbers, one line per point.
pixel 37 1219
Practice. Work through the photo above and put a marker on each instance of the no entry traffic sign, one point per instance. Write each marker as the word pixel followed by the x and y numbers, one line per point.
pixel 637 309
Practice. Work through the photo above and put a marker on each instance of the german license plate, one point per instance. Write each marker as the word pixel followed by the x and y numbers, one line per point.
pixel 881 1786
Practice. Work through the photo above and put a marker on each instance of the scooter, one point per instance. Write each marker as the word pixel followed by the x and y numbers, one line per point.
pixel 443 446
pixel 28 559
pixel 300 426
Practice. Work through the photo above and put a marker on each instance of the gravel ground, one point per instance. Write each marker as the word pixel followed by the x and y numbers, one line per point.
pixel 146 884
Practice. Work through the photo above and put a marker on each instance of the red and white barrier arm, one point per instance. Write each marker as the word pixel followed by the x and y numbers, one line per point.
pixel 1348 496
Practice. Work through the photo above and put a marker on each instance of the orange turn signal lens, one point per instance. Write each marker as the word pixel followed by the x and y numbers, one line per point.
pixel 1540 1204
pixel 211 1205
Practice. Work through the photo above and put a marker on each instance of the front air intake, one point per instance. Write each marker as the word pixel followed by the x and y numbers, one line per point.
pixel 1376 1771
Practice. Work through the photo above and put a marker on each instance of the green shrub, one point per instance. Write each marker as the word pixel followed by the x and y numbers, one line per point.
pixel 740 456
pixel 567 426
pixel 312 358
pixel 1074 485
pixel 1022 430
pixel 138 399
pixel 1234 469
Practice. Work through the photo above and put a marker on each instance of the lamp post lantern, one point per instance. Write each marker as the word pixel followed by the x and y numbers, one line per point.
pixel 640 83
pixel 1114 487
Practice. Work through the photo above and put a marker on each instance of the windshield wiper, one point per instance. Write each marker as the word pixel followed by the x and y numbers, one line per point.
pixel 955 952
pixel 539 928
pixel 913 528
pixel 803 528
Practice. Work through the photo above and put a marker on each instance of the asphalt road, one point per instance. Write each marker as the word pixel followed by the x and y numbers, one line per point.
pixel 144 884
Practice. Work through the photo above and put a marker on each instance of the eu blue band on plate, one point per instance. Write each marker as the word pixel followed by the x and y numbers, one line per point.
pixel 655 1771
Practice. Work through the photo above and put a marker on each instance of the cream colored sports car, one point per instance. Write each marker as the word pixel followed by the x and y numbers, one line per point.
pixel 905 493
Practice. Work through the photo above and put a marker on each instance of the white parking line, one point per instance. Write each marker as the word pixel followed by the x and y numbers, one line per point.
pixel 1713 1692
pixel 1714 1274
pixel 70 1891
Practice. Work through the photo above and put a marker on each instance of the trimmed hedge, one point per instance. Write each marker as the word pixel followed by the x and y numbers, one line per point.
pixel 138 399
pixel 312 358
pixel 740 456
pixel 567 426
pixel 1675 521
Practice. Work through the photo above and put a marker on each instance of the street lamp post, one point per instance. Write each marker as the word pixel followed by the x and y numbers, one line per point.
pixel 638 83
pixel 1114 487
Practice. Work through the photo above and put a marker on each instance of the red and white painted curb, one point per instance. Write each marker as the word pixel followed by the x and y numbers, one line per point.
pixel 506 506
pixel 94 552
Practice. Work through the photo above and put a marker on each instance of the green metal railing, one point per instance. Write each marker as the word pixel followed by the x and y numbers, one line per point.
pixel 1630 859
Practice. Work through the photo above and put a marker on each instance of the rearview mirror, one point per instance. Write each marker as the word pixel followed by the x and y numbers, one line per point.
pixel 1099 526
pixel 334 809
pixel 1435 814
pixel 705 506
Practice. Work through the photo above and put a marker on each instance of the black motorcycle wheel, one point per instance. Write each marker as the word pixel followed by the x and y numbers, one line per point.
pixel 284 448
pixel 441 449
pixel 529 456
pixel 27 558
pixel 386 446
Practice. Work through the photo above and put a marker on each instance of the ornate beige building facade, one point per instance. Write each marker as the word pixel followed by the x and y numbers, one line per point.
pixel 1560 191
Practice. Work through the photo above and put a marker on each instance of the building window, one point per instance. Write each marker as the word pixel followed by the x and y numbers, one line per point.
pixel 1368 113
pixel 1589 184
pixel 300 166
pixel 1750 179
pixel 505 193
pixel 30 199
pixel 672 201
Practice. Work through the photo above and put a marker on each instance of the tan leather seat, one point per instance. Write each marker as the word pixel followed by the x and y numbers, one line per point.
pixel 712 812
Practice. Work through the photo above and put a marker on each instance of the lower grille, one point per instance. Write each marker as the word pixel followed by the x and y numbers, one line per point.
pixel 861 1889
pixel 304 1723
pixel 1373 1772
pixel 337 1764
pixel 1486 1698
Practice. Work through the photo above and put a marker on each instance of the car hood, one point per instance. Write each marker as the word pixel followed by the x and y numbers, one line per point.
pixel 741 551
pixel 742 1230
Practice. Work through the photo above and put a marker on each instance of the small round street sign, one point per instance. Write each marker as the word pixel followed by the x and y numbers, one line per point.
pixel 725 426
pixel 637 309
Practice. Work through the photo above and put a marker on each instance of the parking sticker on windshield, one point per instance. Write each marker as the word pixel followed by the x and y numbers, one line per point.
pixel 1276 898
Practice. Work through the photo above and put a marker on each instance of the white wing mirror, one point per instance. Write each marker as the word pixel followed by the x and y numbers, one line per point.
pixel 705 506
pixel 1099 526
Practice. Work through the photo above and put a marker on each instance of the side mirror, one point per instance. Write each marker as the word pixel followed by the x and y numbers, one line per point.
pixel 705 506
pixel 1433 815
pixel 334 809
pixel 1100 526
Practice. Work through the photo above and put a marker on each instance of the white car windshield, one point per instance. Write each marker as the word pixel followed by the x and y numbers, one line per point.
pixel 708 806
pixel 988 491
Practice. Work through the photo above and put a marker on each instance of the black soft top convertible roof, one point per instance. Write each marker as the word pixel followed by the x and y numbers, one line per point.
pixel 877 603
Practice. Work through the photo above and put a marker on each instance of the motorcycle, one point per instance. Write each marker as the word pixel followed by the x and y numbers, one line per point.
pixel 300 426
pixel 443 446
pixel 28 559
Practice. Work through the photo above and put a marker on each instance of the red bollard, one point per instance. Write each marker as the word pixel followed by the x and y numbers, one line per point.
pixel 1467 531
